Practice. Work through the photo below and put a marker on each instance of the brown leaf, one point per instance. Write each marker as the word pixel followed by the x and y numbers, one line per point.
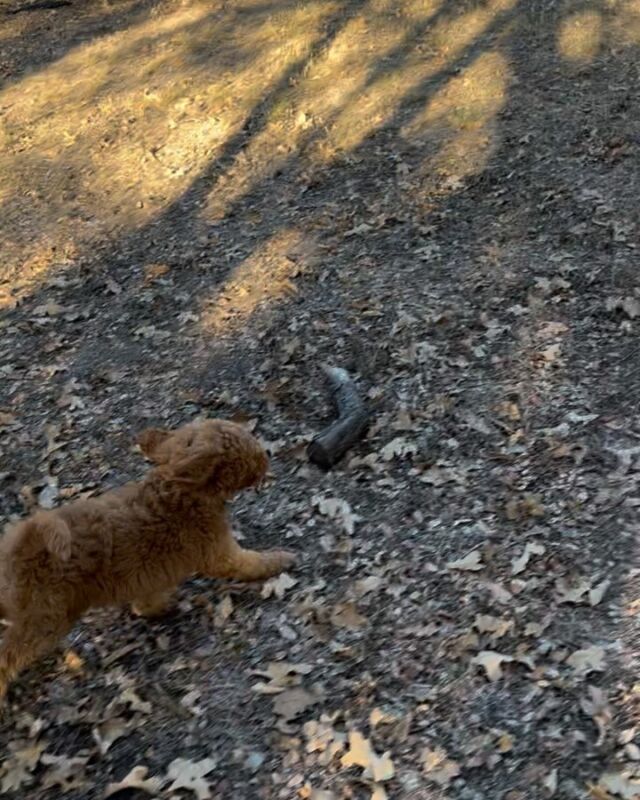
pixel 346 615
pixel 491 662
pixel 439 768
pixel 136 779
pixel 108 732
pixel 278 585
pixel 293 702
pixel 190 775
pixel 361 754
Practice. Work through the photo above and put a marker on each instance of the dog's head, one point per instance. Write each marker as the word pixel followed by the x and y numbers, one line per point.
pixel 214 455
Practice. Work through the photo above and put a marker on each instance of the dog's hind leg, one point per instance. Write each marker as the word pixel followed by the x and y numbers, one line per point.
pixel 26 640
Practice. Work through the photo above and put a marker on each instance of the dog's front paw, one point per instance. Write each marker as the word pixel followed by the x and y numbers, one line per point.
pixel 284 559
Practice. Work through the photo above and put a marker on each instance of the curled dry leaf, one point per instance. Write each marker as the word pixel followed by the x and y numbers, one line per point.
pixel 190 775
pixel 519 565
pixel 361 754
pixel 439 768
pixel 136 779
pixel 472 562
pixel 492 663
pixel 278 585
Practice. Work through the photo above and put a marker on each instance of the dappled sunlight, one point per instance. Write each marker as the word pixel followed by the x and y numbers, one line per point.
pixel 625 23
pixel 460 120
pixel 267 275
pixel 104 140
pixel 354 88
pixel 580 36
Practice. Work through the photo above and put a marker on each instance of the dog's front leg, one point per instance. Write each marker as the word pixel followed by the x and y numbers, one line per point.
pixel 229 560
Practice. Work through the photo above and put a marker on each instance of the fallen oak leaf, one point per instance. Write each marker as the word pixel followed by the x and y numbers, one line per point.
pixel 136 779
pixel 472 562
pixel 361 754
pixel 491 662
pixel 438 767
pixel 17 769
pixel 519 565
pixel 190 775
pixel 290 703
pixel 497 627
pixel 278 585
pixel 67 773
pixel 568 592
pixel 620 784
pixel 108 732
pixel 346 615
pixel 586 660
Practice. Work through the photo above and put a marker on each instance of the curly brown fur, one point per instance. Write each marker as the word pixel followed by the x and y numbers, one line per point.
pixel 134 544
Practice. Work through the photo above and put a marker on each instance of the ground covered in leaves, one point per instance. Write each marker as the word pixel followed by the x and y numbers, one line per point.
pixel 202 203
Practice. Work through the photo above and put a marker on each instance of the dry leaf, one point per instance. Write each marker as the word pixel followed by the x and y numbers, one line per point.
pixel 589 659
pixel 550 783
pixel 440 769
pixel 361 754
pixel 278 585
pixel 572 592
pixel 379 792
pixel 293 702
pixel 224 610
pixel 519 565
pixel 130 698
pixel 491 662
pixel 366 585
pixel 597 707
pixel 66 773
pixel 136 779
pixel 18 767
pixel 281 675
pixel 108 732
pixel 398 448
pixel 346 615
pixel 620 784
pixel 472 562
pixel 190 775
pixel 334 508
pixel 598 592
pixel 494 625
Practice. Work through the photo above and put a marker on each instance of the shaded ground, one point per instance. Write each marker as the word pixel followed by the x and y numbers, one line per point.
pixel 203 203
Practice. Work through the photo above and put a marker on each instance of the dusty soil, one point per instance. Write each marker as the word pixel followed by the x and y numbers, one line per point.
pixel 201 204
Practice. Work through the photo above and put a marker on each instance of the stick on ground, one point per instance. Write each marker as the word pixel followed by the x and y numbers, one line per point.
pixel 353 419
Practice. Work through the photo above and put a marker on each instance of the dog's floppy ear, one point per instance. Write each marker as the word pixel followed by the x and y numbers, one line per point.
pixel 150 439
pixel 196 467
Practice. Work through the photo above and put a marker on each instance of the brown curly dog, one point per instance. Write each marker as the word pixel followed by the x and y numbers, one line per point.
pixel 134 544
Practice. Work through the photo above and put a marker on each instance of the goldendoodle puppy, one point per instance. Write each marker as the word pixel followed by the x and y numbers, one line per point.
pixel 134 544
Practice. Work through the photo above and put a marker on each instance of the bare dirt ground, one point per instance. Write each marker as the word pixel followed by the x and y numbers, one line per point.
pixel 203 202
